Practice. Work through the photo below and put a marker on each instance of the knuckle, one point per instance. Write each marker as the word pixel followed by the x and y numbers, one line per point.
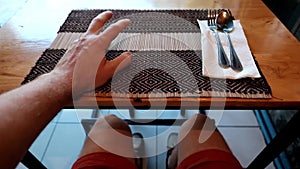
pixel 80 41
pixel 116 26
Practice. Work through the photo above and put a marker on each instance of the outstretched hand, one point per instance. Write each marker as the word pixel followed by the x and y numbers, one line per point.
pixel 84 65
pixel 82 68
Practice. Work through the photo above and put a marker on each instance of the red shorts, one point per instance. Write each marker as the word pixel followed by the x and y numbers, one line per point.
pixel 210 159
pixel 103 160
pixel 207 159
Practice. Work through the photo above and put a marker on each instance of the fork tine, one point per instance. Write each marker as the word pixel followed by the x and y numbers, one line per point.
pixel 208 17
pixel 217 13
pixel 212 17
pixel 215 17
pixel 229 12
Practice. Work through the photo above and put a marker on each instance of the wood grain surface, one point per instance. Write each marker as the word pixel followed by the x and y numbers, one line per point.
pixel 26 35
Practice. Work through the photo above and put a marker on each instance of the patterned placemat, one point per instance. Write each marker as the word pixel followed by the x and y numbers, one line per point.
pixel 166 46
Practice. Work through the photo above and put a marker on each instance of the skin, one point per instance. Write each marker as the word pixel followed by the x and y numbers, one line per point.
pixel 39 101
pixel 110 131
pixel 82 68
pixel 189 139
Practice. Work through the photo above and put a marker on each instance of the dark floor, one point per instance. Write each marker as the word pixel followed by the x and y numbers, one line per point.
pixel 280 119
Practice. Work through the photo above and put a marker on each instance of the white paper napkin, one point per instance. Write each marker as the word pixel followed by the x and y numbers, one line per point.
pixel 210 66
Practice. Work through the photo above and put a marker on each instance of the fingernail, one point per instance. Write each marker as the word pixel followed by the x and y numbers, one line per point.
pixel 126 20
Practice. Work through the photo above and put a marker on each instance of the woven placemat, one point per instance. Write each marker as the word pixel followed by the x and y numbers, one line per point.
pixel 166 56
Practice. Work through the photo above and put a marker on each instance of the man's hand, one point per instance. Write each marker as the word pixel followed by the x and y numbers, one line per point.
pixel 84 65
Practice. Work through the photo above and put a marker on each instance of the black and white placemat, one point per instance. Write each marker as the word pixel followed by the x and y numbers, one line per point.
pixel 166 46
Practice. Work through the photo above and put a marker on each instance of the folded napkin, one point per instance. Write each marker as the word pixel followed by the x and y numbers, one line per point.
pixel 210 66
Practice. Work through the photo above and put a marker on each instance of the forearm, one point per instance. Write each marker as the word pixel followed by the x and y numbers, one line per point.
pixel 26 111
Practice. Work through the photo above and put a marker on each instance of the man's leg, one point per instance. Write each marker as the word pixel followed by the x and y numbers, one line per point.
pixel 110 134
pixel 200 144
pixel 190 137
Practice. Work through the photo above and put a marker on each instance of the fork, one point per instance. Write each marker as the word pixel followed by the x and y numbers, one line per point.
pixel 211 22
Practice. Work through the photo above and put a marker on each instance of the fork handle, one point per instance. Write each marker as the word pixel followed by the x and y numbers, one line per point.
pixel 222 57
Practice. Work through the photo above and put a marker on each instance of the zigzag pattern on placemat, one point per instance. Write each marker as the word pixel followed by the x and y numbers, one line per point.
pixel 154 70
pixel 184 78
pixel 44 64
pixel 171 77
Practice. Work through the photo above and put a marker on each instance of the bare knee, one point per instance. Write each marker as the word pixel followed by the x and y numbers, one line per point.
pixel 197 134
pixel 112 122
pixel 106 135
pixel 116 123
pixel 198 125
pixel 196 122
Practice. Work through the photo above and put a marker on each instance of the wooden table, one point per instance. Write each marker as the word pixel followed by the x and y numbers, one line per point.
pixel 34 27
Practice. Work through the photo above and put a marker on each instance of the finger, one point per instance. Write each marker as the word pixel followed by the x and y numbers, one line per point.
pixel 118 63
pixel 98 22
pixel 113 31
